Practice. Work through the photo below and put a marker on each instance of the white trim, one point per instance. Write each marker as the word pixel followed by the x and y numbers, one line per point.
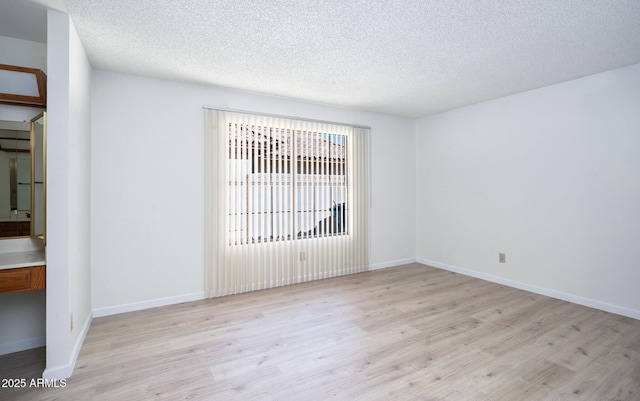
pixel 64 371
pixel 393 263
pixel 152 303
pixel 592 303
pixel 59 372
pixel 22 345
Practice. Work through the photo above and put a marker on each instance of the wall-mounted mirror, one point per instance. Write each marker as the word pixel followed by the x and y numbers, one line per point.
pixel 22 178
pixel 15 179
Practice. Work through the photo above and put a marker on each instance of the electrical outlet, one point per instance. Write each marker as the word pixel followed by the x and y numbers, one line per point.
pixel 71 322
pixel 502 257
pixel 303 256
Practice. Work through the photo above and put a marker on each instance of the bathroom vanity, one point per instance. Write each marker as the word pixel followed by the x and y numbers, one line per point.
pixel 22 271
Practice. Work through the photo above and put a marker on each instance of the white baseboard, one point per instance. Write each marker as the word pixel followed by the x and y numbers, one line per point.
pixel 152 303
pixel 65 371
pixel 392 264
pixel 22 345
pixel 592 303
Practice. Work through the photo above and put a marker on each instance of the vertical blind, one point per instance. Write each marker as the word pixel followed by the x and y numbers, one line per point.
pixel 287 201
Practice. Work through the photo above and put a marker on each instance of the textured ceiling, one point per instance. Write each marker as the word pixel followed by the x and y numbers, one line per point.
pixel 410 58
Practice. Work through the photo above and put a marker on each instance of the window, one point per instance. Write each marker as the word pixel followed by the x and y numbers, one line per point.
pixel 286 184
pixel 287 201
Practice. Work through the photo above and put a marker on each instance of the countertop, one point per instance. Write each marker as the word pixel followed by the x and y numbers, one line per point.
pixel 12 260
pixel 16 216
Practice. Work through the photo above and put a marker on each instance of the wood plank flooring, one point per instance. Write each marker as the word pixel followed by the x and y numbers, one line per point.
pixel 405 333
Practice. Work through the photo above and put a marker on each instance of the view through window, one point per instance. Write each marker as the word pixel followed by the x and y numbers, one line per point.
pixel 286 184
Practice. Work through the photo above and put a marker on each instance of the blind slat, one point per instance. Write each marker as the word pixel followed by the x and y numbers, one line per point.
pixel 289 204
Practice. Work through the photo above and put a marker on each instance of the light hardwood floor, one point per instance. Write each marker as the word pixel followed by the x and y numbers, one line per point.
pixel 403 333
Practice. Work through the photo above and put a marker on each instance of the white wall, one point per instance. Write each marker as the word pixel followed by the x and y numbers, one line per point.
pixel 22 314
pixel 551 177
pixel 23 321
pixel 23 53
pixel 68 195
pixel 79 191
pixel 147 174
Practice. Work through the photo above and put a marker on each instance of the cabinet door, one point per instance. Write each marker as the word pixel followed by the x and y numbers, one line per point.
pixel 22 279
